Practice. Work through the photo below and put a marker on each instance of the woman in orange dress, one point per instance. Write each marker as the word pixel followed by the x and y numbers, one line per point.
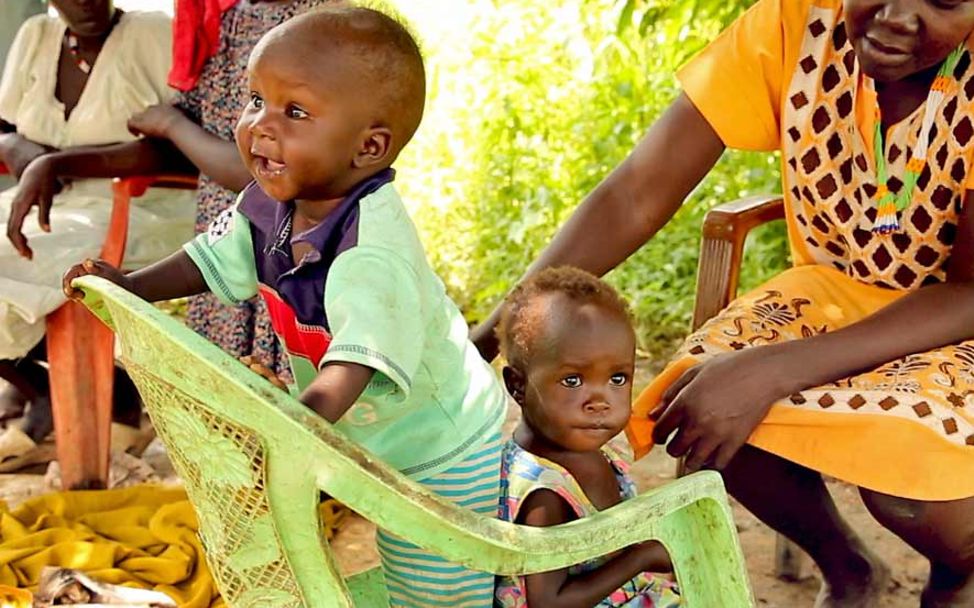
pixel 858 362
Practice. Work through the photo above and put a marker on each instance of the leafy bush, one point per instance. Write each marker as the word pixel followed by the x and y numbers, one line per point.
pixel 531 105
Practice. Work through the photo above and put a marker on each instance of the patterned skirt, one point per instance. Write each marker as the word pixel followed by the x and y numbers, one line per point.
pixel 241 330
pixel 905 428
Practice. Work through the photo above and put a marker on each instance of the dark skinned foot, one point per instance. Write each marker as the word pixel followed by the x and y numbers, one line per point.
pixel 947 590
pixel 38 420
pixel 862 588
pixel 12 403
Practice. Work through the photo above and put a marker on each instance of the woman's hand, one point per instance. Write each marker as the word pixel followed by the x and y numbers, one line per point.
pixel 155 121
pixel 37 187
pixel 714 407
pixel 16 151
pixel 99 268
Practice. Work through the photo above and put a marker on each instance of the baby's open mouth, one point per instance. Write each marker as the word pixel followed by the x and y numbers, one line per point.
pixel 267 167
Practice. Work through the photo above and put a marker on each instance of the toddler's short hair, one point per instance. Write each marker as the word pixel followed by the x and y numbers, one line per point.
pixel 520 324
pixel 386 56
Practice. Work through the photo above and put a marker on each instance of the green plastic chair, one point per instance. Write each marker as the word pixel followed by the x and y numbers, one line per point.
pixel 253 461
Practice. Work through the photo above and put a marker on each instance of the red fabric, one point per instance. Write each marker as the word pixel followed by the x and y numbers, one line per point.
pixel 195 38
pixel 308 341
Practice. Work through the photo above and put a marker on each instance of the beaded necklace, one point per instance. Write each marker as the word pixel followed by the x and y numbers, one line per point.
pixel 74 46
pixel 80 61
pixel 889 205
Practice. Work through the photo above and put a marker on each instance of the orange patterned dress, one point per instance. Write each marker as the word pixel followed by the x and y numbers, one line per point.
pixel 784 77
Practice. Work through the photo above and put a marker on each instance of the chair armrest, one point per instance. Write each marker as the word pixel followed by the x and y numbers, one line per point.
pixel 124 189
pixel 725 228
pixel 137 185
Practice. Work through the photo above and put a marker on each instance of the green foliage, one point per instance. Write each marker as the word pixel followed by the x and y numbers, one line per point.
pixel 538 106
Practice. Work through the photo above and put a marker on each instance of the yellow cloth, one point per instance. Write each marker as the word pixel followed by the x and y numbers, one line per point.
pixel 785 77
pixel 143 536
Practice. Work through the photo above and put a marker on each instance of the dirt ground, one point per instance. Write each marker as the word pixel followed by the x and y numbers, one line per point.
pixel 354 543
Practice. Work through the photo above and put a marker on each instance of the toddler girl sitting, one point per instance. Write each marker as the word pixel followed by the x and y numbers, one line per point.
pixel 570 351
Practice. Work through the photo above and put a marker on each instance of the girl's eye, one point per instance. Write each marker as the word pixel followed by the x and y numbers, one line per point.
pixel 256 101
pixel 618 379
pixel 295 113
pixel 573 381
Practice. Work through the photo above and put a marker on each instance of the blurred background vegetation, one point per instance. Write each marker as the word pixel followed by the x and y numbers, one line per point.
pixel 531 105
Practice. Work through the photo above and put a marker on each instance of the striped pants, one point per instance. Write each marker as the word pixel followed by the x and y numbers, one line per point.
pixel 417 578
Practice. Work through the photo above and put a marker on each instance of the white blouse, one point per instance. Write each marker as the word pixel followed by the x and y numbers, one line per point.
pixel 129 75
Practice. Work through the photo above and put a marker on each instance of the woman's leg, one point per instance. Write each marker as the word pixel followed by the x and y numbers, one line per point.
pixel 30 379
pixel 126 401
pixel 794 501
pixel 943 532
pixel 26 379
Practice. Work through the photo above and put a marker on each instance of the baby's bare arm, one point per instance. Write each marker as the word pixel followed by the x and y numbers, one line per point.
pixel 556 589
pixel 336 388
pixel 174 277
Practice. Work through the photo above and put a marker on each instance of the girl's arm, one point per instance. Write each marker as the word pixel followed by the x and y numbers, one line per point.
pixel 173 277
pixel 556 589
pixel 336 388
pixel 632 204
pixel 715 406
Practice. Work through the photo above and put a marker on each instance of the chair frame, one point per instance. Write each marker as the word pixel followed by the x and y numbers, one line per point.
pixel 298 453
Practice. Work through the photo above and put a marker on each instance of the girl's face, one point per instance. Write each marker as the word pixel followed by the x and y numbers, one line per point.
pixel 576 392
pixel 86 18
pixel 894 39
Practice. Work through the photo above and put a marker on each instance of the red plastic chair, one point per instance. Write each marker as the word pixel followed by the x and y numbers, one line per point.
pixel 80 351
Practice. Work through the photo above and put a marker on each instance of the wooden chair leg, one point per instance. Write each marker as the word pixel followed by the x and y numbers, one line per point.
pixel 81 357
pixel 80 353
pixel 725 229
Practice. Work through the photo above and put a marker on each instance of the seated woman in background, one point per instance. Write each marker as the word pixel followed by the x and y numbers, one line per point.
pixel 71 81
pixel 194 132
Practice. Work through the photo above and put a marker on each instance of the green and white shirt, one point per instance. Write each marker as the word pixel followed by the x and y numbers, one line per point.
pixel 365 294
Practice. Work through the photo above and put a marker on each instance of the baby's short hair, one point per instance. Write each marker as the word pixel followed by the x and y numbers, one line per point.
pixel 387 58
pixel 519 326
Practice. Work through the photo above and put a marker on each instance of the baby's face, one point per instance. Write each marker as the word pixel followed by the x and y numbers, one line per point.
pixel 303 126
pixel 578 391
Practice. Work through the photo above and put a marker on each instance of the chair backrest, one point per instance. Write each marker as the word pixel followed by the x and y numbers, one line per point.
pixel 253 460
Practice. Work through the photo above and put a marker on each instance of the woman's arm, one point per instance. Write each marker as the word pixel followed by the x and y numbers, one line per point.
pixel 148 156
pixel 632 204
pixel 714 407
pixel 556 589
pixel 213 156
pixel 16 151
pixel 38 182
